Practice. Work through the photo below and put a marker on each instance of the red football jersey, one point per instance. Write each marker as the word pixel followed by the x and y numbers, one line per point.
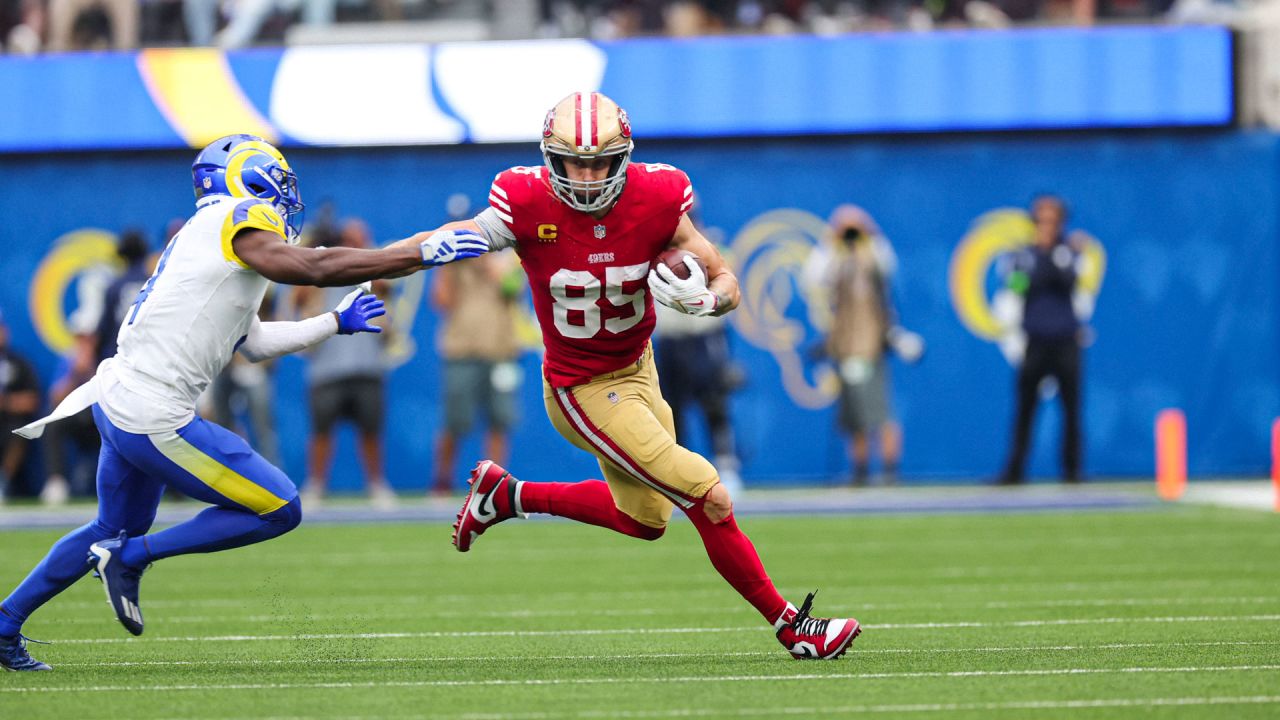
pixel 590 277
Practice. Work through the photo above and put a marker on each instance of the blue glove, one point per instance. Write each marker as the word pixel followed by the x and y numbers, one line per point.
pixel 445 246
pixel 356 310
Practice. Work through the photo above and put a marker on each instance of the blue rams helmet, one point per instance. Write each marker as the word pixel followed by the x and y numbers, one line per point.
pixel 246 166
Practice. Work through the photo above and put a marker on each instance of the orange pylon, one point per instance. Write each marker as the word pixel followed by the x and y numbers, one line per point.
pixel 1171 454
pixel 1275 461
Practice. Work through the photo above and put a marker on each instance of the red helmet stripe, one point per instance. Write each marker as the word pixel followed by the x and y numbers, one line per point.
pixel 577 118
pixel 595 119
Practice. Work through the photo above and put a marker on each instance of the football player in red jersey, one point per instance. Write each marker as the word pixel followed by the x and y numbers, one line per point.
pixel 588 226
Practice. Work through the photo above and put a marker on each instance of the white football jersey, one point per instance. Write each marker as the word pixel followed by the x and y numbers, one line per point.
pixel 188 320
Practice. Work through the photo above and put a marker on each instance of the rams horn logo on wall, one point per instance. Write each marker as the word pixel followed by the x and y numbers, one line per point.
pixel 987 310
pixel 780 312
pixel 79 258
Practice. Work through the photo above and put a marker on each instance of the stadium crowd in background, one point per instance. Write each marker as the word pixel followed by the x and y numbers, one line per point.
pixel 346 380
pixel 480 380
pixel 75 24
pixel 477 341
pixel 19 402
pixel 71 447
pixel 29 27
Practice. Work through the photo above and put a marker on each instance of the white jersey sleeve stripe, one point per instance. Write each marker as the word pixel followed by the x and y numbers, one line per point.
pixel 499 203
pixel 498 191
pixel 688 190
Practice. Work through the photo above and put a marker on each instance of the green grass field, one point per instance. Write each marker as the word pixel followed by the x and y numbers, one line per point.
pixel 1172 612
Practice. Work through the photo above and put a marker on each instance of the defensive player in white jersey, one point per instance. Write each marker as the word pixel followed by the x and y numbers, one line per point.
pixel 198 308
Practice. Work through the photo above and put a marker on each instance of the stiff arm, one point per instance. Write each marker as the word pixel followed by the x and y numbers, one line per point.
pixel 271 257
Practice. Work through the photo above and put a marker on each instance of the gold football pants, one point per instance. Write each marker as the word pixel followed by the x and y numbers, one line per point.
pixel 622 419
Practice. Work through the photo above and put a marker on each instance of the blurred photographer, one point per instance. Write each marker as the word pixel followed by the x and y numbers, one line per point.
pixel 1045 274
pixel 855 269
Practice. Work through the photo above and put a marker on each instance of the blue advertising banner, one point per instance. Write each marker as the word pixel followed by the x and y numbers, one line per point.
pixel 1185 274
pixel 690 88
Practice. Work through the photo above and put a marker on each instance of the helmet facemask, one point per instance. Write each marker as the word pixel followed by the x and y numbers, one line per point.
pixel 279 186
pixel 587 126
pixel 588 195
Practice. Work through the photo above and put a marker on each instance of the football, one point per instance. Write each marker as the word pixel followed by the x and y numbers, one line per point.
pixel 674 259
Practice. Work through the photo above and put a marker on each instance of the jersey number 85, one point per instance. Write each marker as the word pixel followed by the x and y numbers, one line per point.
pixel 586 291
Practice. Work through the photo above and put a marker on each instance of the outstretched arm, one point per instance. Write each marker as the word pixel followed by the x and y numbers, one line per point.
pixel 273 258
pixel 447 243
pixel 273 339
pixel 417 239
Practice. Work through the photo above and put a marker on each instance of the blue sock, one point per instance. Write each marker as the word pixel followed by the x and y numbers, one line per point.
pixel 66 562
pixel 212 530
pixel 135 553
pixel 9 625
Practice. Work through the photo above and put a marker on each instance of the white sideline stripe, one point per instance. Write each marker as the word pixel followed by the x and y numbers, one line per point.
pixel 1110 602
pixel 498 191
pixel 649 596
pixel 409 635
pixel 421 658
pixel 499 202
pixel 650 612
pixel 1074 621
pixel 657 631
pixel 865 709
pixel 878 709
pixel 631 612
pixel 644 656
pixel 625 681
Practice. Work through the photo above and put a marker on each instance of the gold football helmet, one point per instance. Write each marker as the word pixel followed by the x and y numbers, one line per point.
pixel 587 125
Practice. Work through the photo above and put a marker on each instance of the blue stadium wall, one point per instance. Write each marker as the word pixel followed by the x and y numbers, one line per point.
pixel 1186 316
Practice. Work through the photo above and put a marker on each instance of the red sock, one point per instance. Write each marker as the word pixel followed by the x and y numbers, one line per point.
pixel 588 501
pixel 734 556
